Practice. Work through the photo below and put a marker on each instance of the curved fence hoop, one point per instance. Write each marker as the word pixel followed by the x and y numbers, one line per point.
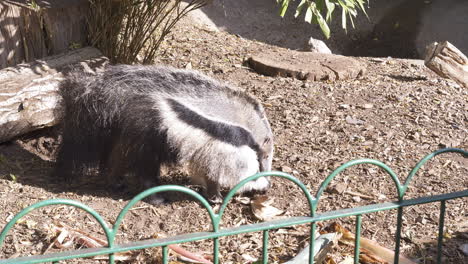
pixel 426 159
pixel 159 189
pixel 355 162
pixel 41 204
pixel 310 199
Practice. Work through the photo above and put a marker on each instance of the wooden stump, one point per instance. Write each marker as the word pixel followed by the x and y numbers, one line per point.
pixel 28 92
pixel 32 31
pixel 447 61
pixel 306 65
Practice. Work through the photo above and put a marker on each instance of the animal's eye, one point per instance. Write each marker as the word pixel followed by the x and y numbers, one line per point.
pixel 267 140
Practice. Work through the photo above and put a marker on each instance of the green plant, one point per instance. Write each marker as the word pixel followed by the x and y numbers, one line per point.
pixel 125 30
pixel 33 5
pixel 320 11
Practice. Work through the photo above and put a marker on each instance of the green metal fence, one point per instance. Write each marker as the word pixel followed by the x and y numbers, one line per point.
pixel 216 233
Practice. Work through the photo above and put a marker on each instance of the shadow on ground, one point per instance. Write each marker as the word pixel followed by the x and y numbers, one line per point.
pixel 400 28
pixel 29 161
pixel 426 252
pixel 259 20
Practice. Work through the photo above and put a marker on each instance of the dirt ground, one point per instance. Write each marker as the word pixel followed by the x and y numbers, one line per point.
pixel 397 113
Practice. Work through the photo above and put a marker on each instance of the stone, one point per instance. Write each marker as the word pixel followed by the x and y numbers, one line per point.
pixel 464 249
pixel 336 188
pixel 286 169
pixel 316 45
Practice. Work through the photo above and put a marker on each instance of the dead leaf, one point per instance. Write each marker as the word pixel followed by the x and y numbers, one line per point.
pixel 363 196
pixel 354 121
pixel 68 236
pixel 347 260
pixel 371 259
pixel 30 224
pixel 249 258
pixel 370 246
pixel 262 209
pixel 189 256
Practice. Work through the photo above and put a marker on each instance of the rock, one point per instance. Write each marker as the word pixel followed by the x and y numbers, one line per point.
pixel 343 106
pixel 336 188
pixel 449 143
pixel 286 169
pixel 367 106
pixel 421 219
pixel 316 45
pixel 464 249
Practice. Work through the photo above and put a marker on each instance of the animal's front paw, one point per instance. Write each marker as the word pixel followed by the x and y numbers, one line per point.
pixel 215 199
pixel 155 199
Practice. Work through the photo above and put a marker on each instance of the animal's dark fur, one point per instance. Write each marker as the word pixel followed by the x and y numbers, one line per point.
pixel 133 119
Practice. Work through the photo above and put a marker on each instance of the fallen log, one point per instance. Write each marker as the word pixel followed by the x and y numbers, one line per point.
pixel 28 92
pixel 448 62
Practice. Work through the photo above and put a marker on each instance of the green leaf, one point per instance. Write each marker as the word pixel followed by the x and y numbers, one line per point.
pixel 322 23
pixel 343 18
pixel 330 9
pixel 361 6
pixel 321 11
pixel 299 7
pixel 284 7
pixel 309 14
pixel 351 19
pixel 12 177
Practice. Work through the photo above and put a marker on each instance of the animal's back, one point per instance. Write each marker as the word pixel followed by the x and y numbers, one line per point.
pixel 198 92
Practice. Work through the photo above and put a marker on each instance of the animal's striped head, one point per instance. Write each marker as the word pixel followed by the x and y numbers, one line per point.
pixel 263 136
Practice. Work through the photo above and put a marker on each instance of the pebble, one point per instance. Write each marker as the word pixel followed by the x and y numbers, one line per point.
pixel 286 169
pixel 343 106
pixel 382 197
pixel 421 220
pixel 336 188
pixel 464 249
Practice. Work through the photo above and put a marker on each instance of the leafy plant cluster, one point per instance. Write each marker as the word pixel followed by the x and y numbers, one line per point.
pixel 320 11
pixel 124 30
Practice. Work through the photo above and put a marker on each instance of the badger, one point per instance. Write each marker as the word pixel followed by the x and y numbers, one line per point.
pixel 133 119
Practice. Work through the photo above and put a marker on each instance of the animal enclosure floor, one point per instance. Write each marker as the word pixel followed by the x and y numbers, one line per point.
pixel 397 113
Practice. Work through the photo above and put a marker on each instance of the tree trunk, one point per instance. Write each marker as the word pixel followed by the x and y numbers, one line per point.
pixel 447 61
pixel 28 92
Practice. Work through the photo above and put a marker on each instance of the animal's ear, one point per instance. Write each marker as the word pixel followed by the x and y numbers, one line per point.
pixel 266 141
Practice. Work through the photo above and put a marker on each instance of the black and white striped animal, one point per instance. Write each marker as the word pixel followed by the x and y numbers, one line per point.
pixel 134 119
